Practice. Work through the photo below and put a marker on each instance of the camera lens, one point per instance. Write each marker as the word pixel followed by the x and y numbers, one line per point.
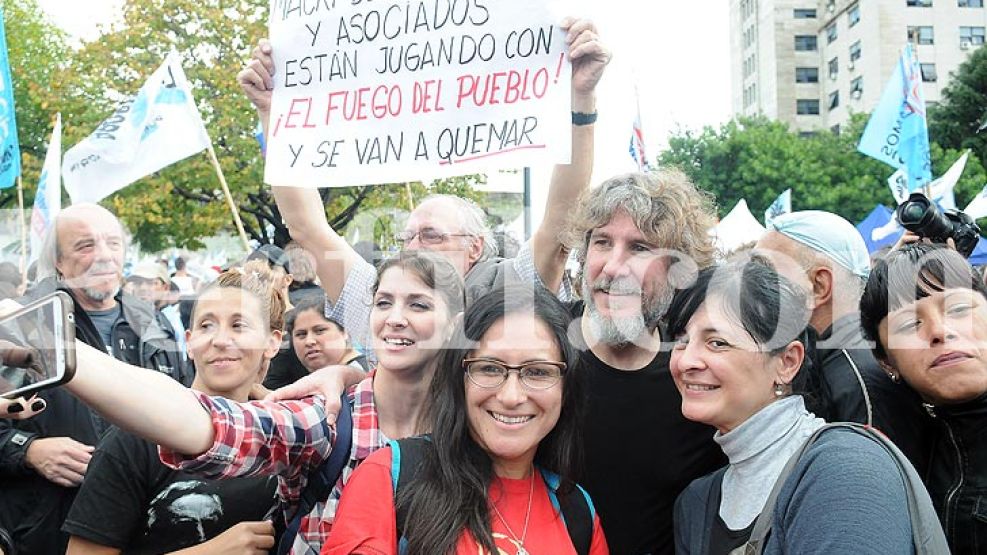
pixel 912 212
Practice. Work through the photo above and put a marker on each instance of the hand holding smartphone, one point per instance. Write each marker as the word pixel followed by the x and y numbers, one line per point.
pixel 37 346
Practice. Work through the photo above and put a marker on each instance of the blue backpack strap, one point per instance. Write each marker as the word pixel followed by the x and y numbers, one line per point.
pixel 321 481
pixel 406 459
pixel 577 512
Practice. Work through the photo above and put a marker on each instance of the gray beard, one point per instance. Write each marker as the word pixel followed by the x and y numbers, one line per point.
pixel 625 331
pixel 97 295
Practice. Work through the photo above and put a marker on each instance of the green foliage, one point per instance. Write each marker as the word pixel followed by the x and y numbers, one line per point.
pixel 183 203
pixel 953 123
pixel 757 159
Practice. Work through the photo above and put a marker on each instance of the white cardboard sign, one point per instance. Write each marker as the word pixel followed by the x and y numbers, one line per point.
pixel 369 91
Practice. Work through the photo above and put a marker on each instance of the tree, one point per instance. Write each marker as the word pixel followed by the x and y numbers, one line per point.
pixel 36 50
pixel 757 159
pixel 955 121
pixel 183 203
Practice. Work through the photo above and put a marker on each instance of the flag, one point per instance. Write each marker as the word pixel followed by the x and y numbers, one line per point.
pixel 897 133
pixel 942 188
pixel 898 184
pixel 637 142
pixel 781 205
pixel 155 128
pixel 978 206
pixel 259 135
pixel 10 152
pixel 48 198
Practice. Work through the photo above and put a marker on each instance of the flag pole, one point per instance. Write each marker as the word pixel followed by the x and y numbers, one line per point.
pixel 411 198
pixel 229 197
pixel 20 204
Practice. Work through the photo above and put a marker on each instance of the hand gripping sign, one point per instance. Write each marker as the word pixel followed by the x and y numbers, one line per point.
pixel 370 91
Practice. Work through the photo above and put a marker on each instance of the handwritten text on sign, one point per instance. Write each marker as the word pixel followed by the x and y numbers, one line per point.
pixel 370 91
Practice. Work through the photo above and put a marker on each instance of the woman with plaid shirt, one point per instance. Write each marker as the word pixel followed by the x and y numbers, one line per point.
pixel 416 300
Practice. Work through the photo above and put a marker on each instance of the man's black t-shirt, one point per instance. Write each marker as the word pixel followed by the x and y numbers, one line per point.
pixel 133 502
pixel 640 452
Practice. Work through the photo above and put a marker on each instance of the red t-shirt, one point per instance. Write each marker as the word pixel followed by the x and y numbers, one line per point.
pixel 365 519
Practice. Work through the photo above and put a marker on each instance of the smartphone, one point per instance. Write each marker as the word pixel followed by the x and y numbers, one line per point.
pixel 37 346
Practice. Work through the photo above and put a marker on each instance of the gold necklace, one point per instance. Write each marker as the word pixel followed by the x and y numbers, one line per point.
pixel 527 514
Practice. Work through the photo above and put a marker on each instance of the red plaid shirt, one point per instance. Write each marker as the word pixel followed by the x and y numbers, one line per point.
pixel 290 439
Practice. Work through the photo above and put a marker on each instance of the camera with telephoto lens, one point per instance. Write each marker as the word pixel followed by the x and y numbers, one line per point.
pixel 923 218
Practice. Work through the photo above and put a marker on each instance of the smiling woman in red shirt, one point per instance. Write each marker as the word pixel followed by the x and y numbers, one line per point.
pixel 495 474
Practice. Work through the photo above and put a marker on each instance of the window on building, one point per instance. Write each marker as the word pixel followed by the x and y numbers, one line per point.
pixel 921 34
pixel 831 32
pixel 835 129
pixel 834 100
pixel 805 13
pixel 834 68
pixel 970 3
pixel 919 3
pixel 807 134
pixel 853 15
pixel 807 75
pixel 805 43
pixel 807 107
pixel 855 51
pixel 857 87
pixel 972 35
pixel 929 73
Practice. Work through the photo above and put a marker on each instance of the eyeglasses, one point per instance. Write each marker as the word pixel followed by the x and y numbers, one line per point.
pixel 427 235
pixel 538 374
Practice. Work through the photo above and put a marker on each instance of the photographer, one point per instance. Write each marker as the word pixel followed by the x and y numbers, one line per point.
pixel 926 310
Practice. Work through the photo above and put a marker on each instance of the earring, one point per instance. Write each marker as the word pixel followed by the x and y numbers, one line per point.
pixel 779 390
pixel 894 377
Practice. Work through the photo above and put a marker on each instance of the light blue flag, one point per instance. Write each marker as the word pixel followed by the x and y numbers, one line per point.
pixel 781 205
pixel 897 133
pixel 10 152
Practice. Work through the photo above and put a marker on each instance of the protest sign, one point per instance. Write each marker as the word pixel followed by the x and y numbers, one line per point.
pixel 369 91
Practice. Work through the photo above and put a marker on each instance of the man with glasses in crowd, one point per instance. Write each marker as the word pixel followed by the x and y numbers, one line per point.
pixel 448 224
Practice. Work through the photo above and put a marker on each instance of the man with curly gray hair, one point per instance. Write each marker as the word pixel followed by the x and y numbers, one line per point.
pixel 637 237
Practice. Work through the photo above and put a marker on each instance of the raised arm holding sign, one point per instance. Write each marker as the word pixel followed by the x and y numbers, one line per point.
pixel 445 224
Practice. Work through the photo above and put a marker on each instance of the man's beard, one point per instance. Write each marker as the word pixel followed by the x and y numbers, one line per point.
pixel 625 330
pixel 96 294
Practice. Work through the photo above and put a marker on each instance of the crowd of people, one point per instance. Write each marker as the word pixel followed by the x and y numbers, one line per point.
pixel 669 399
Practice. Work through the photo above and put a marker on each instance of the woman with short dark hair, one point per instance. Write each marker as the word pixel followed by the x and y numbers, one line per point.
pixel 925 309
pixel 737 351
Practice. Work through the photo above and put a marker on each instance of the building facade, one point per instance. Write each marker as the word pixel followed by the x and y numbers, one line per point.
pixel 813 63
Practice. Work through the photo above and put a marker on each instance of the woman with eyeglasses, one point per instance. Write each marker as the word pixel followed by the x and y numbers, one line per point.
pixel 495 475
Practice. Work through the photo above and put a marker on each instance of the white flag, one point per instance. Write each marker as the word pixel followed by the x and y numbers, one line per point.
pixel 159 126
pixel 942 188
pixel 781 205
pixel 978 206
pixel 898 183
pixel 48 198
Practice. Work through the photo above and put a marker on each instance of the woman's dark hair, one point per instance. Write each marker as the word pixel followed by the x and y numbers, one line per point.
pixel 450 493
pixel 909 274
pixel 770 308
pixel 434 270
pixel 314 303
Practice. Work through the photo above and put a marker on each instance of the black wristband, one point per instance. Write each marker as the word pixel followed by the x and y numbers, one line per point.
pixel 582 118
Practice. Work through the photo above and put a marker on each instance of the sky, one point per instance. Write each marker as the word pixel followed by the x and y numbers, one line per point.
pixel 675 53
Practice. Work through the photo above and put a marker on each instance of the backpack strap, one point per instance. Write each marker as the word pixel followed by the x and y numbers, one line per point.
pixel 577 512
pixel 322 480
pixel 406 460
pixel 927 534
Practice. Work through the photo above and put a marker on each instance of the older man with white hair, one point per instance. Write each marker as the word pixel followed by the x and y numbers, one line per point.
pixel 43 460
pixel 826 255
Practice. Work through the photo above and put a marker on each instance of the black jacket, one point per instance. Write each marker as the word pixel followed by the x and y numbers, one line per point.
pixel 32 508
pixel 957 476
pixel 850 386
